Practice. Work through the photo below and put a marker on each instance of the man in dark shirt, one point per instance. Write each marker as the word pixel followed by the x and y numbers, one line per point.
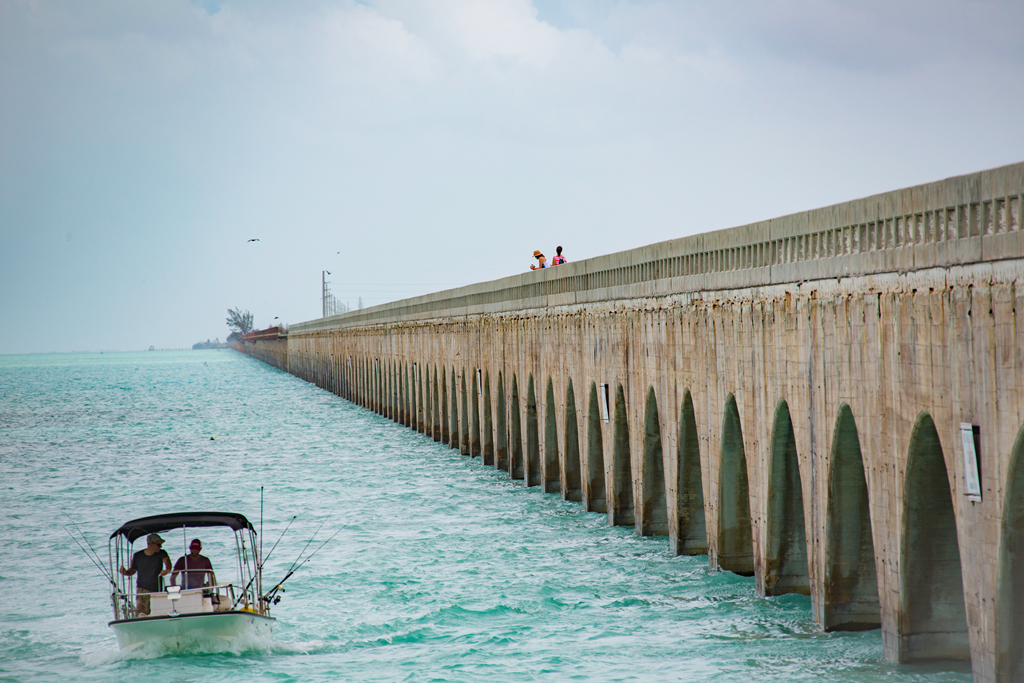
pixel 195 567
pixel 150 564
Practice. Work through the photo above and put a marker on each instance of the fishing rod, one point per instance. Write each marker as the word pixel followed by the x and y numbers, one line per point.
pixel 261 525
pixel 260 566
pixel 294 567
pixel 272 593
pixel 91 559
pixel 86 538
pixel 265 559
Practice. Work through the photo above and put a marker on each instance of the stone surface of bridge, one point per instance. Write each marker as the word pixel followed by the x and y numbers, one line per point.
pixel 830 402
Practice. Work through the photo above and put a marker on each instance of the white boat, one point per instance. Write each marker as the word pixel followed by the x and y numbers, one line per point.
pixel 180 615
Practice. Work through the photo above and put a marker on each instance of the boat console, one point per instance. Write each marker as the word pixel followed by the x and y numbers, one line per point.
pixel 217 598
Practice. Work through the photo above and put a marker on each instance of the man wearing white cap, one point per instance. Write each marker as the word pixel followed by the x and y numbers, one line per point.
pixel 147 563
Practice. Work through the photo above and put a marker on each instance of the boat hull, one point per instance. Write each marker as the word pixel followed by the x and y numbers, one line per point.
pixel 174 631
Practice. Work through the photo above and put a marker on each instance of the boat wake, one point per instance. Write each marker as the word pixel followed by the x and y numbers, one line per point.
pixel 198 643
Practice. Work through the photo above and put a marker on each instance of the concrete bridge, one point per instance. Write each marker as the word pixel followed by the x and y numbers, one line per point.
pixel 830 402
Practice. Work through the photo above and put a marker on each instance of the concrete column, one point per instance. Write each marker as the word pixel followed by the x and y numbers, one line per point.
pixel 621 507
pixel 487 446
pixel 474 427
pixel 516 468
pixel 551 476
pixel 501 438
pixel 464 441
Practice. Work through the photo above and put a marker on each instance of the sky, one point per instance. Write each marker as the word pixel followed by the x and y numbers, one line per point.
pixel 411 146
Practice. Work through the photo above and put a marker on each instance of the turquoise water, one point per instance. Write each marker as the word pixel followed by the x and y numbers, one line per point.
pixel 443 571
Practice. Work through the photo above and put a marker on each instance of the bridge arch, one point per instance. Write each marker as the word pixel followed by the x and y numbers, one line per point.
pixel 573 480
pixel 933 623
pixel 621 510
pixel 691 535
pixel 785 569
pixel 851 581
pixel 595 489
pixel 1010 606
pixel 531 463
pixel 735 539
pixel 516 468
pixel 655 511
pixel 550 475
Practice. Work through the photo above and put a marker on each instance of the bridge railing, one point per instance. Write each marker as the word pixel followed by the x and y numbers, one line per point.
pixel 963 220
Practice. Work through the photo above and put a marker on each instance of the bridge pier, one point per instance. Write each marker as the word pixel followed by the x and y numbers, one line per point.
pixel 787 397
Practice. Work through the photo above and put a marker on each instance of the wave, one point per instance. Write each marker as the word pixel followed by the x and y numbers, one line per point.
pixel 202 644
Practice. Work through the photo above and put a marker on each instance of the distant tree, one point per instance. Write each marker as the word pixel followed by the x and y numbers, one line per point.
pixel 239 322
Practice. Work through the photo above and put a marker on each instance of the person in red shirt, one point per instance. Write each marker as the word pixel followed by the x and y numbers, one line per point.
pixel 559 259
pixel 195 567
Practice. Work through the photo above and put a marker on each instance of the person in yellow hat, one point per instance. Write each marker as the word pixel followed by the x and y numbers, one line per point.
pixel 541 261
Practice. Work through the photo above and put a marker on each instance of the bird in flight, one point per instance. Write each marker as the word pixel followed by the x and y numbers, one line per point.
pixel 254 239
pixel 328 272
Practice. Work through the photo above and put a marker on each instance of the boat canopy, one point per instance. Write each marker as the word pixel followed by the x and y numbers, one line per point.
pixel 157 523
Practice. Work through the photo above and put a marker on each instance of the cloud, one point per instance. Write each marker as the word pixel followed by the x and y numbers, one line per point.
pixel 439 143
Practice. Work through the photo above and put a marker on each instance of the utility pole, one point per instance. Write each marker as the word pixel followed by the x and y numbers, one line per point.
pixel 323 292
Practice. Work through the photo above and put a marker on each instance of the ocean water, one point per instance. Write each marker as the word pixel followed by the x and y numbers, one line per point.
pixel 443 570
